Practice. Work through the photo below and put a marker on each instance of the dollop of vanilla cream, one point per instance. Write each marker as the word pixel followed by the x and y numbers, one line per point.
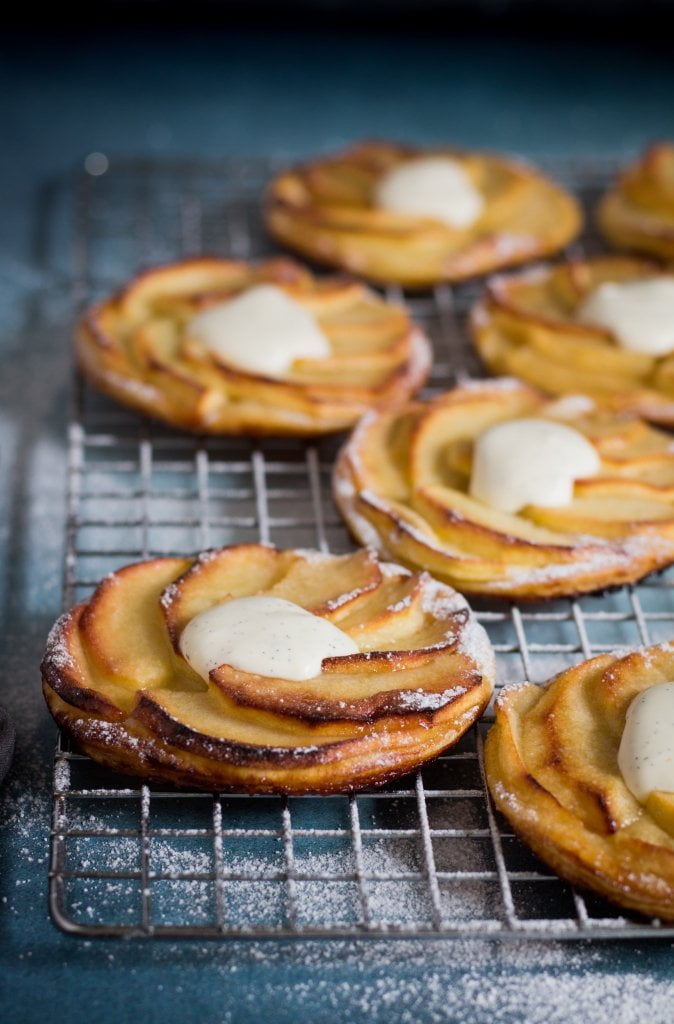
pixel 431 186
pixel 268 636
pixel 530 462
pixel 262 331
pixel 646 753
pixel 640 314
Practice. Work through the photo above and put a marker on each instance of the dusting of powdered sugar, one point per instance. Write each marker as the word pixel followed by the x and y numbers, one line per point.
pixel 474 643
pixel 440 600
pixel 507 384
pixel 56 649
pixel 645 653
pixel 142 390
pixel 62 775
pixel 405 982
pixel 602 557
pixel 401 526
pixel 569 407
pixel 392 569
pixel 506 245
pixel 359 524
pixel 479 315
pixel 169 595
pixel 341 599
pixel 421 355
pixel 316 557
pixel 423 700
pixel 499 284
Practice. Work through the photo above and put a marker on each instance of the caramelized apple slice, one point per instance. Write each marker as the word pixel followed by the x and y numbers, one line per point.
pixel 455 516
pixel 660 806
pixel 325 583
pixel 67 671
pixel 443 423
pixel 386 616
pixel 213 726
pixel 359 688
pixel 589 786
pixel 217 576
pixel 610 516
pixel 123 629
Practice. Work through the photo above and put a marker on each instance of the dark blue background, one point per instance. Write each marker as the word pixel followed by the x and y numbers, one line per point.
pixel 256 90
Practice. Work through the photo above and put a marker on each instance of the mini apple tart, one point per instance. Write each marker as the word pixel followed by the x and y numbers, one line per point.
pixel 268 671
pixel 224 347
pixel 583 769
pixel 604 327
pixel 497 489
pixel 398 214
pixel 637 212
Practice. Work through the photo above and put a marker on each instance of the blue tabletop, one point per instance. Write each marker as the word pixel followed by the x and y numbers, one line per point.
pixel 290 93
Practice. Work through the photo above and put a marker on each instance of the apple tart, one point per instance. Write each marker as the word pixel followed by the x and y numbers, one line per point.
pixel 489 488
pixel 397 214
pixel 637 212
pixel 604 326
pixel 560 763
pixel 269 671
pixel 225 347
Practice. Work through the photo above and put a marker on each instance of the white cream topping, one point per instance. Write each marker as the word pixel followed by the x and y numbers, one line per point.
pixel 431 186
pixel 268 636
pixel 646 754
pixel 262 331
pixel 530 462
pixel 640 314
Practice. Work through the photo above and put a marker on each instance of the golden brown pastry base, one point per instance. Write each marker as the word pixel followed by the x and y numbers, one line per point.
pixel 525 325
pixel 637 212
pixel 402 480
pixel 551 763
pixel 324 210
pixel 134 347
pixel 115 680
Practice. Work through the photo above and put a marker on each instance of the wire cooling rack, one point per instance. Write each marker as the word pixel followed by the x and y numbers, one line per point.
pixel 426 857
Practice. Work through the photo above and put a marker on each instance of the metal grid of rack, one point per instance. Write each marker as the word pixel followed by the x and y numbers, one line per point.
pixel 426 857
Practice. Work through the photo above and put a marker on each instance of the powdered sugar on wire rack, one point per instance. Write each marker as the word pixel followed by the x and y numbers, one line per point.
pixel 426 857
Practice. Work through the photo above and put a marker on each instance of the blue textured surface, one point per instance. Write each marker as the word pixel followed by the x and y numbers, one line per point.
pixel 247 92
